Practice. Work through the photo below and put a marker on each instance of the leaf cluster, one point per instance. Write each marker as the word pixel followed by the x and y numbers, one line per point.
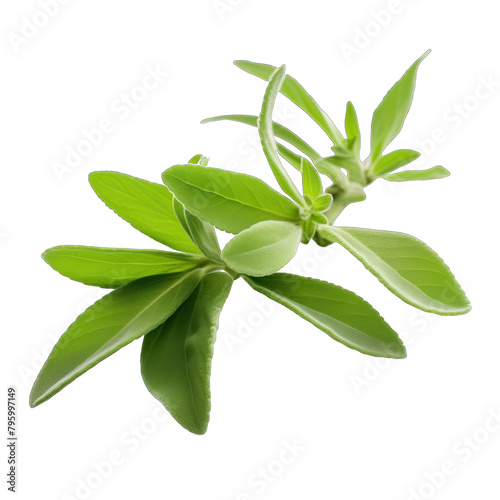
pixel 173 299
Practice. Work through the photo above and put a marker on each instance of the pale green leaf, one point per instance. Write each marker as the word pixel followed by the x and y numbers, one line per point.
pixel 418 175
pixel 392 161
pixel 176 357
pixel 265 127
pixel 323 202
pixel 145 205
pixel 390 115
pixel 406 266
pixel 230 201
pixel 352 127
pixel 124 315
pixel 263 248
pixel 340 313
pixel 115 267
pixel 292 89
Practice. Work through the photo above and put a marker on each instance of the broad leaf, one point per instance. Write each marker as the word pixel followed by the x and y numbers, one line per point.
pixel 114 321
pixel 230 201
pixel 292 89
pixel 265 127
pixel 311 181
pixel 176 357
pixel 392 161
pixel 145 205
pixel 406 266
pixel 115 267
pixel 390 115
pixel 419 175
pixel 340 313
pixel 262 249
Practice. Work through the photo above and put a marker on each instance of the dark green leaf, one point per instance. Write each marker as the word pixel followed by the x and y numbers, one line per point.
pixel 114 321
pixel 176 357
pixel 340 313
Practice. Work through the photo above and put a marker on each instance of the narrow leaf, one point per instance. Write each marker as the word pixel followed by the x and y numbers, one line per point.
pixel 203 235
pixel 311 181
pixel 293 158
pixel 279 131
pixel 392 161
pixel 406 266
pixel 145 205
pixel 390 115
pixel 340 313
pixel 114 321
pixel 419 175
pixel 195 159
pixel 115 267
pixel 292 89
pixel 230 201
pixel 352 127
pixel 262 249
pixel 176 357
pixel 265 127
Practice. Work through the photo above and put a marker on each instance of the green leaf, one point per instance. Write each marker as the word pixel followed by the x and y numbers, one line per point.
pixel 279 131
pixel 114 321
pixel 352 127
pixel 340 313
pixel 265 127
pixel 392 161
pixel 406 266
pixel 311 181
pixel 293 158
pixel 263 248
pixel 195 159
pixel 292 89
pixel 390 115
pixel 230 201
pixel 176 357
pixel 203 161
pixel 203 235
pixel 419 175
pixel 323 202
pixel 115 267
pixel 145 205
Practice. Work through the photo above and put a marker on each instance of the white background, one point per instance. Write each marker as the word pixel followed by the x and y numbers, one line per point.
pixel 362 430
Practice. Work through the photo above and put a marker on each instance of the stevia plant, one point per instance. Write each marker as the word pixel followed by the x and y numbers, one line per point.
pixel 174 299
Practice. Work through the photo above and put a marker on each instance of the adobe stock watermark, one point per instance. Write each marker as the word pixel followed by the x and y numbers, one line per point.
pixel 374 369
pixel 265 476
pixel 121 109
pixel 224 7
pixel 130 441
pixel 31 26
pixel 367 32
pixel 462 451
